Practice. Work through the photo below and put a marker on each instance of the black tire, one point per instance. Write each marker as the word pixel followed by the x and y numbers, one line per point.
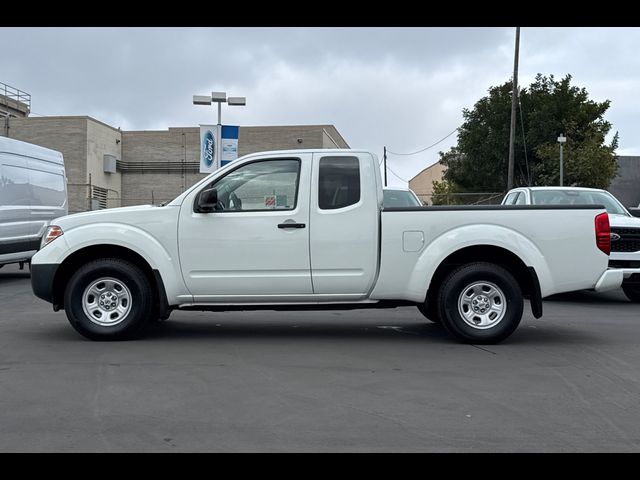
pixel 142 302
pixel 429 310
pixel 458 281
pixel 632 292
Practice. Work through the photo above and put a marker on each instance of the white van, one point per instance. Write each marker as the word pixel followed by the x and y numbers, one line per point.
pixel 33 191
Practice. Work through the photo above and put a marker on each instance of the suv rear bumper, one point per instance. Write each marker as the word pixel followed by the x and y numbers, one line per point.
pixel 613 278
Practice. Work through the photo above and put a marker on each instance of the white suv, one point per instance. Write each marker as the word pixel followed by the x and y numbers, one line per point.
pixel 625 228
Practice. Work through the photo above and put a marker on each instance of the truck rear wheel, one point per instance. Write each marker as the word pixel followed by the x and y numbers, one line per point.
pixel 632 292
pixel 109 299
pixel 480 303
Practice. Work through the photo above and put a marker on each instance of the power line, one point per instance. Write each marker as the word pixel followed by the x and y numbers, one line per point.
pixel 425 148
pixel 396 175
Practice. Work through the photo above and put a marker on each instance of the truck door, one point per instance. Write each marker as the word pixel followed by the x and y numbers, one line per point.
pixel 344 222
pixel 255 247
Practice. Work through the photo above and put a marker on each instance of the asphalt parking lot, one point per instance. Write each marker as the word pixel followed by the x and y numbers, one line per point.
pixel 320 381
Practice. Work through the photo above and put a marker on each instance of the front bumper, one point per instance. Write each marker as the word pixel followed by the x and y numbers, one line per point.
pixel 613 278
pixel 42 275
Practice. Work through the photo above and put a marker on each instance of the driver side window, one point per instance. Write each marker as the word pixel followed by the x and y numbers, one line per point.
pixel 262 185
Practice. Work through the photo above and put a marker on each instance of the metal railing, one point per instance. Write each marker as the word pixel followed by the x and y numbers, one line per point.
pixel 16 94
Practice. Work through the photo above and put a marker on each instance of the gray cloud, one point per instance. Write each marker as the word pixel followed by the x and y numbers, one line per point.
pixel 400 87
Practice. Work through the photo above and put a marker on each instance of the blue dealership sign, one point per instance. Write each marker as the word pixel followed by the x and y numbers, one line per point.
pixel 209 148
pixel 228 144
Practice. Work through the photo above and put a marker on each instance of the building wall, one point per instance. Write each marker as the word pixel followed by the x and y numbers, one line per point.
pixel 256 139
pixel 626 185
pixel 104 140
pixel 422 184
pixel 182 144
pixel 140 178
pixel 12 107
pixel 67 135
pixel 151 147
pixel 331 138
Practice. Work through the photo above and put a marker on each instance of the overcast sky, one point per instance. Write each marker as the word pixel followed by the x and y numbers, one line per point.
pixel 400 87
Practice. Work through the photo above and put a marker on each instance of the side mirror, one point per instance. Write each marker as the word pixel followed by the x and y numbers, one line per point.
pixel 207 200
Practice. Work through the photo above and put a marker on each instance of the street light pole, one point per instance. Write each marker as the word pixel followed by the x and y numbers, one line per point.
pixel 561 140
pixel 219 98
pixel 514 93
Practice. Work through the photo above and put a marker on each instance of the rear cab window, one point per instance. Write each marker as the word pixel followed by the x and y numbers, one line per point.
pixel 339 182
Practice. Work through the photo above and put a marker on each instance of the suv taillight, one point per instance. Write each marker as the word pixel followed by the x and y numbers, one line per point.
pixel 603 233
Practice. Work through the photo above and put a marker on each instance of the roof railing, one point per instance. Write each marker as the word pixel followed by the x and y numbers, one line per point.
pixel 16 94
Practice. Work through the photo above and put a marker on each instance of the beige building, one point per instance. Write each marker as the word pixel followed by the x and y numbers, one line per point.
pixel 422 183
pixel 107 167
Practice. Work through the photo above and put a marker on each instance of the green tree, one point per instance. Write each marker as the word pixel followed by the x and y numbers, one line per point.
pixel 444 193
pixel 479 161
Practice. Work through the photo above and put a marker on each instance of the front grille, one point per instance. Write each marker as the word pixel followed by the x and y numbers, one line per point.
pixel 624 264
pixel 629 240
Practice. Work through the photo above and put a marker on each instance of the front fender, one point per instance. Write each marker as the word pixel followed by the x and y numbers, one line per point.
pixel 161 258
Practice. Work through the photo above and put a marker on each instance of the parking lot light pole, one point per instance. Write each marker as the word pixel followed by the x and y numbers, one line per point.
pixel 561 140
pixel 219 98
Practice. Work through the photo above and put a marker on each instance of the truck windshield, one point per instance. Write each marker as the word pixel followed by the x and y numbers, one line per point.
pixel 575 197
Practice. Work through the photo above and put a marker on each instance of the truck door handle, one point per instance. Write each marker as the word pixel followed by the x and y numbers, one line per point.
pixel 291 225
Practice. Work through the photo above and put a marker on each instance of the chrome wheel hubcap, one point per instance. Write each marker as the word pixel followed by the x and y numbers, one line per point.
pixel 482 305
pixel 106 302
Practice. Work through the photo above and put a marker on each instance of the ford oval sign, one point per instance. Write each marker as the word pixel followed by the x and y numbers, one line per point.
pixel 208 148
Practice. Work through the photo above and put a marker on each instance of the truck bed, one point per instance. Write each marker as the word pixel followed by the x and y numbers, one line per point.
pixel 558 241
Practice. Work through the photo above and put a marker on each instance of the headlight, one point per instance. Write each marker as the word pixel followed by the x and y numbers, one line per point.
pixel 53 232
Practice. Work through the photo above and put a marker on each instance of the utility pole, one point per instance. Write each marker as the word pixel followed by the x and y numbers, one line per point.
pixel 514 93
pixel 384 160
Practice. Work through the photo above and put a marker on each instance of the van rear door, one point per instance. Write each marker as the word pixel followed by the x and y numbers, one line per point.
pixel 48 193
pixel 15 221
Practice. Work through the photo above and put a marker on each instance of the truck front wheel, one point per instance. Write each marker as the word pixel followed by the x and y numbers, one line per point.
pixel 480 303
pixel 109 299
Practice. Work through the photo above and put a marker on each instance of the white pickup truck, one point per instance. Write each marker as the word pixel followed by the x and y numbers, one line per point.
pixel 306 229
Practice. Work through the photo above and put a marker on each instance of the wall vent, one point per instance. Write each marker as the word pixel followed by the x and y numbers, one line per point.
pixel 109 164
